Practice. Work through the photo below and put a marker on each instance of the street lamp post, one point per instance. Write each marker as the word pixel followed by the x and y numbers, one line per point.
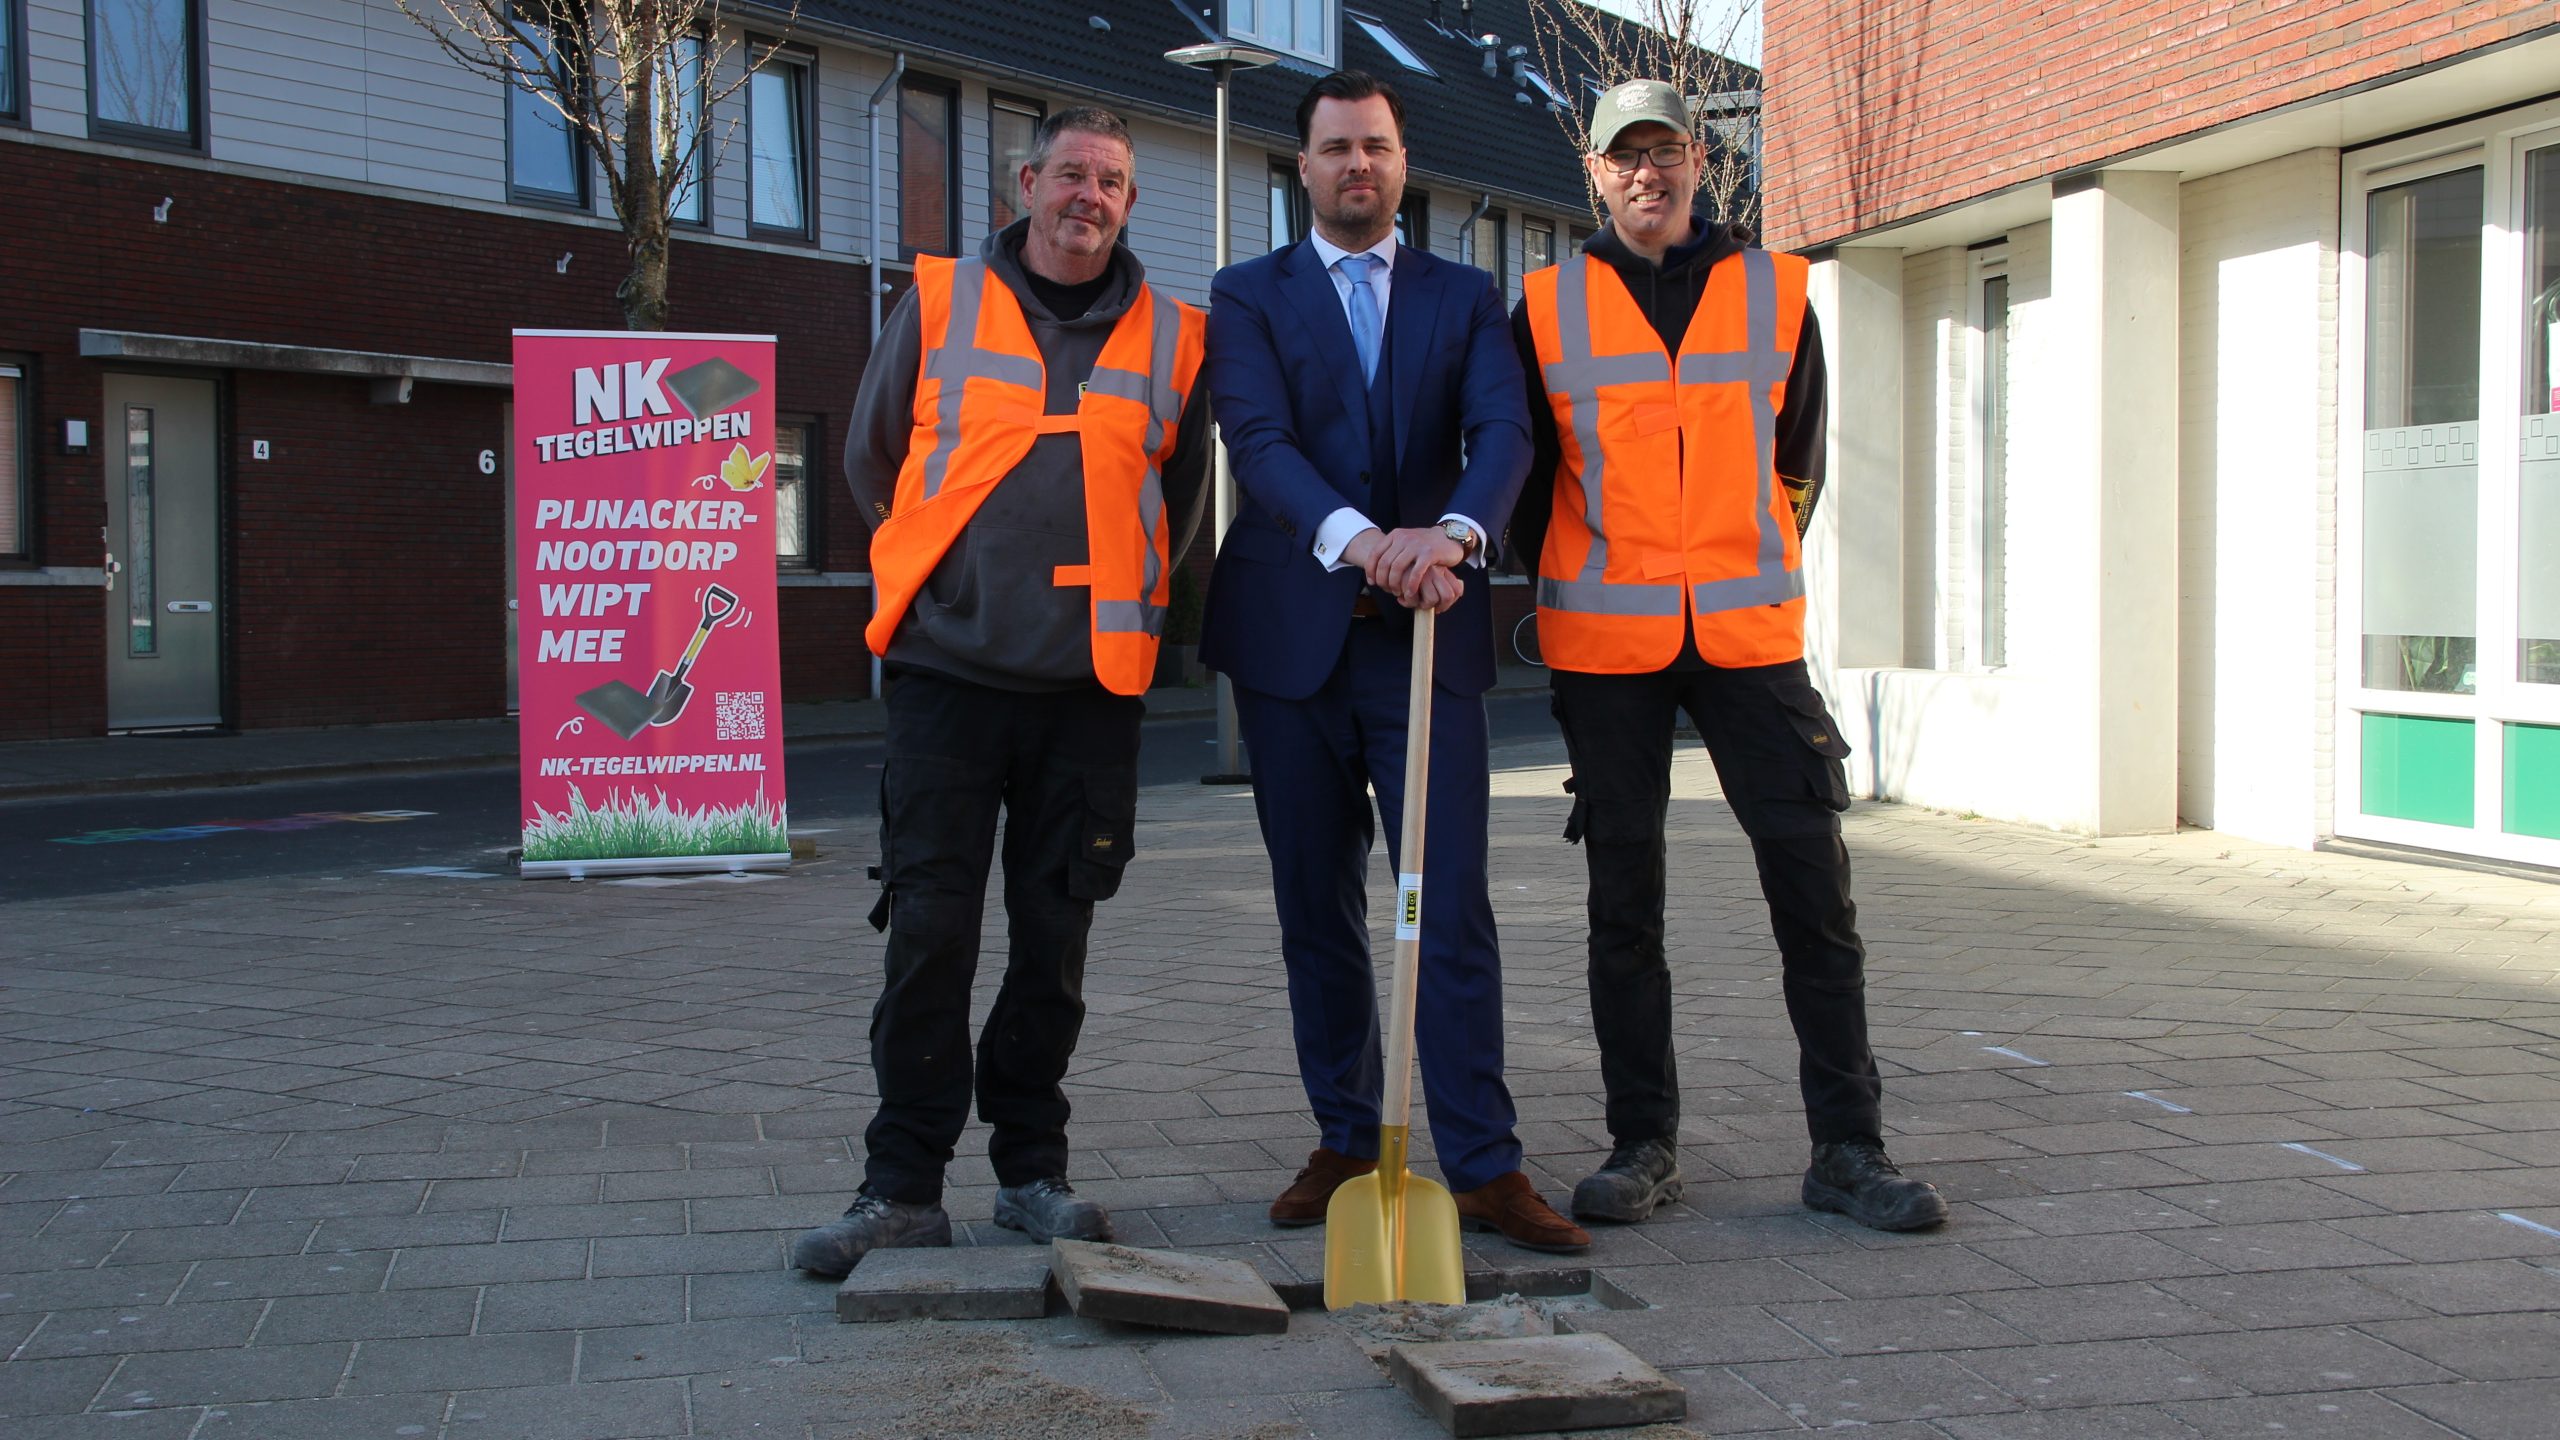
pixel 1222 59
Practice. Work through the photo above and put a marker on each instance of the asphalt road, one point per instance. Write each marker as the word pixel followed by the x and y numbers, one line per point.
pixel 453 821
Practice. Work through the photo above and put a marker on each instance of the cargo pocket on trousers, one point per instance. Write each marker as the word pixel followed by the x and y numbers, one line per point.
pixel 1578 819
pixel 1106 835
pixel 1825 775
pixel 885 871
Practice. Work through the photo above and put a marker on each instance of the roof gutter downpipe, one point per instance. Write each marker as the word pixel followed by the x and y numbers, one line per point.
pixel 1467 230
pixel 879 284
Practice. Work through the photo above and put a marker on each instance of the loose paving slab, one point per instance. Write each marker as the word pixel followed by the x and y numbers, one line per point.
pixel 1545 1382
pixel 1166 1289
pixel 968 1282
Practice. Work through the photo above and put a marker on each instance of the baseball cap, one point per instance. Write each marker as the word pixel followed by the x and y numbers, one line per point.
pixel 1635 103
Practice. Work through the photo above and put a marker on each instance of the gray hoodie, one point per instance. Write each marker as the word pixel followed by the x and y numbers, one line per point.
pixel 990 612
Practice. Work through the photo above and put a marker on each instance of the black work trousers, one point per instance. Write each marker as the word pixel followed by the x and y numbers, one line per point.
pixel 1778 757
pixel 1063 769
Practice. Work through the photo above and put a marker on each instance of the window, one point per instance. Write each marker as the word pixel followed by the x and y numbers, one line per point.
pixel 794 534
pixel 2421 420
pixel 2538 518
pixel 1304 28
pixel 13 463
pixel 778 185
pixel 1491 245
pixel 546 156
pixel 677 107
pixel 1012 128
pixel 143 69
pixel 1580 235
pixel 928 168
pixel 1545 87
pixel 1413 220
pixel 1537 243
pixel 1288 205
pixel 1991 449
pixel 12 84
pixel 1393 44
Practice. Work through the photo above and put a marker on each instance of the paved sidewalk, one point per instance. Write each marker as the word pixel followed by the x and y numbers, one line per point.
pixel 2242 1141
pixel 39 769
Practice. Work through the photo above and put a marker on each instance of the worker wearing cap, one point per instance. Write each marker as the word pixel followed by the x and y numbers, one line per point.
pixel 1030 447
pixel 1676 398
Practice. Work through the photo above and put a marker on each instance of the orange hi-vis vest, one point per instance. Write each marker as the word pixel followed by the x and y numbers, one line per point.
pixel 981 397
pixel 1667 499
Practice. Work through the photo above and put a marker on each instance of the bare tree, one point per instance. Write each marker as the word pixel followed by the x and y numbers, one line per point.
pixel 1687 43
pixel 636 81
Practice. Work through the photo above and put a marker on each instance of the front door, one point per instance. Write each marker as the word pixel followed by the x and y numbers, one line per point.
pixel 164 629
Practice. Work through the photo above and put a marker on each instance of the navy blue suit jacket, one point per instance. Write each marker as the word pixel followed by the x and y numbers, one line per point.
pixel 1293 411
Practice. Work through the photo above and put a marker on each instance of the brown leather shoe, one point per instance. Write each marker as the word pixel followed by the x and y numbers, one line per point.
pixel 1511 1205
pixel 1304 1201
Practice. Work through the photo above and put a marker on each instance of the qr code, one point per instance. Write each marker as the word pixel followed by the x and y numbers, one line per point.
pixel 740 714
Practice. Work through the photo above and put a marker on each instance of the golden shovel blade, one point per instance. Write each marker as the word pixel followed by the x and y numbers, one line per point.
pixel 1392 1235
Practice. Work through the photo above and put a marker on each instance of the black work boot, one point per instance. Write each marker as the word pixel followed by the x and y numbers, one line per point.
pixel 1050 1209
pixel 1855 1178
pixel 1640 1175
pixel 871 1222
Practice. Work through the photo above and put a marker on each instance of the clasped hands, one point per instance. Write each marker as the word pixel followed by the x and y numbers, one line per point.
pixel 1417 566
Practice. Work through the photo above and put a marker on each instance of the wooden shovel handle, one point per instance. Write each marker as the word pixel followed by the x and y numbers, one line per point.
pixel 1396 1102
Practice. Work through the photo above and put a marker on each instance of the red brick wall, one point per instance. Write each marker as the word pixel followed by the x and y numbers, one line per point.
pixel 367 568
pixel 1883 109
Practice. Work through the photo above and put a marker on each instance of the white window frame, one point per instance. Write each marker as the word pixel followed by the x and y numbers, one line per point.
pixel 1391 42
pixel 2497 144
pixel 1987 264
pixel 1327 46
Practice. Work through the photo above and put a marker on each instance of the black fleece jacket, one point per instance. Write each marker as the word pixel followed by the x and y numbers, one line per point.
pixel 1669 294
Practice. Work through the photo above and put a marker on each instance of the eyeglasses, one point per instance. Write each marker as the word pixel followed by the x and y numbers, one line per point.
pixel 1665 156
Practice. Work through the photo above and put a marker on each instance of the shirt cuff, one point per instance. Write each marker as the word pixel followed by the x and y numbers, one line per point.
pixel 1484 541
pixel 1338 530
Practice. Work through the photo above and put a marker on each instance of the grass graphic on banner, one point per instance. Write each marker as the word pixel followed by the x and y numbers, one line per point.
pixel 638 826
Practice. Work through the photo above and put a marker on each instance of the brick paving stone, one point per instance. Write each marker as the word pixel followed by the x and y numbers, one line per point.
pixel 2343 1416
pixel 389 1367
pixel 581 1304
pixel 142 1328
pixel 625 1410
pixel 2470 1287
pixel 2487 1410
pixel 947 1283
pixel 405 1314
pixel 1165 1288
pixel 646 1351
pixel 1871 1389
pixel 342 1418
pixel 2481 1347
pixel 38 1386
pixel 228 1377
pixel 2098 1372
pixel 1677 1339
pixel 1543 1382
pixel 1870 1327
pixel 2276 1362
pixel 2096 1422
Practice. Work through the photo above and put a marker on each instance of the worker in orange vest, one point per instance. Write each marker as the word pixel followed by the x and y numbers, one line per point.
pixel 1676 399
pixel 1028 453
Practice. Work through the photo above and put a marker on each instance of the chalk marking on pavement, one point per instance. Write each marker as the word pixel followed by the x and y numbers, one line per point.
pixel 2014 1054
pixel 2172 1106
pixel 2341 1162
pixel 449 872
pixel 2536 1226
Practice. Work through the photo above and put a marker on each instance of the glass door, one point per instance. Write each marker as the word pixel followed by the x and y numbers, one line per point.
pixel 2449 510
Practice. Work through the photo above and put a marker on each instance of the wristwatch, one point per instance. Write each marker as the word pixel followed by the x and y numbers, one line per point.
pixel 1464 533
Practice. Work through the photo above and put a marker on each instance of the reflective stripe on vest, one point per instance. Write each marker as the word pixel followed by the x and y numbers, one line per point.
pixel 988 405
pixel 1629 621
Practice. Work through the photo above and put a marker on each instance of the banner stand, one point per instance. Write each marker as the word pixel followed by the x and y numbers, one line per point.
pixel 649 722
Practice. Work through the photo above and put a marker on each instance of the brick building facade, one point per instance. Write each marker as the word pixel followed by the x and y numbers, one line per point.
pixel 2193 391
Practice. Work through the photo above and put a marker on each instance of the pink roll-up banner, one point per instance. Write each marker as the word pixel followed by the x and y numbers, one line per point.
pixel 650 715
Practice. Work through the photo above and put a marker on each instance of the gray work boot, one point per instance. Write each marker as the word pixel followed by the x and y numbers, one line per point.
pixel 1048 1209
pixel 871 1222
pixel 1855 1178
pixel 1640 1175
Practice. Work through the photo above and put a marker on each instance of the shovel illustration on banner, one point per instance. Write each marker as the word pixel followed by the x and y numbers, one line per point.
pixel 626 711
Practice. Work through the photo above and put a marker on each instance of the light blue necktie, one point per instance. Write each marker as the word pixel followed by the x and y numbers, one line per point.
pixel 1365 320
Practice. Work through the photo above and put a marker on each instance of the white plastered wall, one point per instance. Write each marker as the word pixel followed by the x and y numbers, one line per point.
pixel 2257 497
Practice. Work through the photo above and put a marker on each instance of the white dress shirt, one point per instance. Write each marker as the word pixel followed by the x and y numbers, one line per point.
pixel 1344 525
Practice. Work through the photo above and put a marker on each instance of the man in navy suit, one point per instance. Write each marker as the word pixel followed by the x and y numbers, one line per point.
pixel 1374 412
